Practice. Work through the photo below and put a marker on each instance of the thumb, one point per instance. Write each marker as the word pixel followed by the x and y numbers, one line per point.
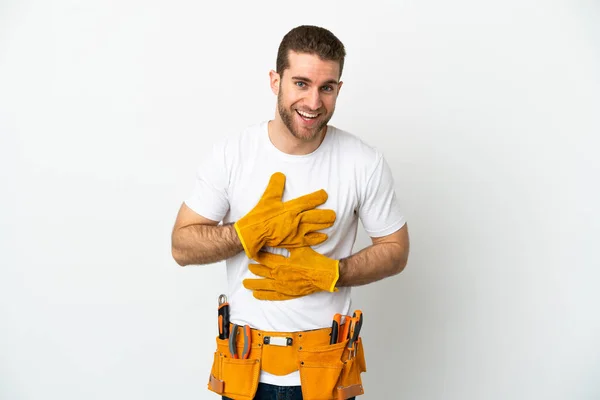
pixel 260 270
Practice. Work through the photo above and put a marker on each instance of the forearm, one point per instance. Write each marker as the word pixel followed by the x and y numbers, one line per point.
pixel 371 264
pixel 204 244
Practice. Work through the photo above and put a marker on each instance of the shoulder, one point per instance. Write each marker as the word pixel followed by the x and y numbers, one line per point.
pixel 350 145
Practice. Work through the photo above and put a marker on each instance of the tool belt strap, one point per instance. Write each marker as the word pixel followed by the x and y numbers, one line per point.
pixel 316 337
pixel 279 351
pixel 327 371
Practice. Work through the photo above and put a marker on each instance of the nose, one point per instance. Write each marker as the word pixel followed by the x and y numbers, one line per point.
pixel 313 99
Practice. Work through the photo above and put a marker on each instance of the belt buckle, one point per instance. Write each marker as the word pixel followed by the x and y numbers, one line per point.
pixel 278 340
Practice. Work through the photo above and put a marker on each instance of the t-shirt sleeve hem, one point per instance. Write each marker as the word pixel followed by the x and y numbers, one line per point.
pixel 387 230
pixel 199 209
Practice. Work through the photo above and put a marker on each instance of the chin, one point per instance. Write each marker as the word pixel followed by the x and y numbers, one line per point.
pixel 305 135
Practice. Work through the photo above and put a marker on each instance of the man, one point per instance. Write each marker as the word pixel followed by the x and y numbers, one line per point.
pixel 280 202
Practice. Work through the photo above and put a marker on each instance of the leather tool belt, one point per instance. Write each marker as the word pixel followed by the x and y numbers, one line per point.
pixel 327 371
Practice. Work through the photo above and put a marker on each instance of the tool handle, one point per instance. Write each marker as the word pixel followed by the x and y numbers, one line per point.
pixel 232 341
pixel 359 321
pixel 344 329
pixel 351 330
pixel 223 314
pixel 335 327
pixel 247 341
pixel 356 325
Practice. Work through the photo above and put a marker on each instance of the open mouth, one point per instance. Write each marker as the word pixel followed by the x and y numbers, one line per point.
pixel 306 116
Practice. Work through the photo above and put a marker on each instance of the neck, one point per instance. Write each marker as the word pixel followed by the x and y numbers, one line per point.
pixel 284 141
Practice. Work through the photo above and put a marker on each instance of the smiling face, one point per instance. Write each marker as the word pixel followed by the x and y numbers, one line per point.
pixel 306 94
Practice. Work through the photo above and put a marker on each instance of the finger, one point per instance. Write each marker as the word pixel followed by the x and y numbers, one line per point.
pixel 308 201
pixel 259 284
pixel 306 257
pixel 260 270
pixel 305 228
pixel 274 190
pixel 314 238
pixel 272 295
pixel 317 217
pixel 270 259
pixel 309 239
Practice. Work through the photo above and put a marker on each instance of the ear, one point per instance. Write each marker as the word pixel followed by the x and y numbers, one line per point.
pixel 275 79
pixel 339 87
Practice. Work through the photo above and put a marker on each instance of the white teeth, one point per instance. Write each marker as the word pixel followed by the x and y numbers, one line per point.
pixel 307 115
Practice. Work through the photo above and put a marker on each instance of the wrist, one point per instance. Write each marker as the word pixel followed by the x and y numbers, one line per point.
pixel 237 238
pixel 342 265
pixel 336 279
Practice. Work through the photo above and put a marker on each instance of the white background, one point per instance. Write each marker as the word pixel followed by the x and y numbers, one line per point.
pixel 488 113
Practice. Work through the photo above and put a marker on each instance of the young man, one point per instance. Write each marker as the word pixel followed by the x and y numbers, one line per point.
pixel 280 202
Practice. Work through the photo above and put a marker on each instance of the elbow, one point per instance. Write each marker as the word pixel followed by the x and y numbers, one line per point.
pixel 178 257
pixel 177 253
pixel 401 260
pixel 402 250
pixel 399 266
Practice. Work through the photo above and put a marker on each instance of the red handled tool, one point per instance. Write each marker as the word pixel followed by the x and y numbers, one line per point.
pixel 223 313
pixel 247 341
pixel 344 329
pixel 335 328
pixel 354 331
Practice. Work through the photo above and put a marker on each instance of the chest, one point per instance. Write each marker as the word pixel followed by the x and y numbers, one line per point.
pixel 248 184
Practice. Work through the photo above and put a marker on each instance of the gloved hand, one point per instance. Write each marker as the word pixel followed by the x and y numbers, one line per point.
pixel 291 224
pixel 304 272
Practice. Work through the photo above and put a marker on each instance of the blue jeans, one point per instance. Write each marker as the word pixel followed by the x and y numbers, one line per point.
pixel 272 392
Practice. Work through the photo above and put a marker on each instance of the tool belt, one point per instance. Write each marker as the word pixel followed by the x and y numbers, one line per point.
pixel 327 371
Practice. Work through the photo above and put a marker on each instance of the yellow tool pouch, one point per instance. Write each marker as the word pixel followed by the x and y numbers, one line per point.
pixel 350 382
pixel 235 378
pixel 327 372
pixel 330 372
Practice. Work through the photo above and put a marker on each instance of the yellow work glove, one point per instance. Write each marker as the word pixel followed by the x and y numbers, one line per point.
pixel 304 272
pixel 277 224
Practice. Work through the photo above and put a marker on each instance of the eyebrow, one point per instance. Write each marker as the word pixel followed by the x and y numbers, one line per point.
pixel 301 78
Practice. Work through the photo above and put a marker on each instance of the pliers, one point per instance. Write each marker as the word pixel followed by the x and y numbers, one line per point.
pixel 354 331
pixel 247 341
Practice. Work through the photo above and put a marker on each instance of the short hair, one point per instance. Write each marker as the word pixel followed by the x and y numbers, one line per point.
pixel 312 40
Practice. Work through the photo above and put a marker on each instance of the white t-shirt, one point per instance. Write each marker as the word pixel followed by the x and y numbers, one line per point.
pixel 359 185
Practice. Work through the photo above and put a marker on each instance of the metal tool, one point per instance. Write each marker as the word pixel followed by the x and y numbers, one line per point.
pixel 354 331
pixel 335 327
pixel 247 341
pixel 223 313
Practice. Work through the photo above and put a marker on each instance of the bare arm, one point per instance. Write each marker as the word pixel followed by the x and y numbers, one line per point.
pixel 387 256
pixel 199 240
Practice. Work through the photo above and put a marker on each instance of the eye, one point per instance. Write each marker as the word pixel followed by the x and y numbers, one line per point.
pixel 300 84
pixel 327 88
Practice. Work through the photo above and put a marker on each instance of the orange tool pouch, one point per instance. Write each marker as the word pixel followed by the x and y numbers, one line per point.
pixel 327 372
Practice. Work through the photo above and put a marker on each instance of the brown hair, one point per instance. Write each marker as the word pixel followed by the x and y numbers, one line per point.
pixel 312 40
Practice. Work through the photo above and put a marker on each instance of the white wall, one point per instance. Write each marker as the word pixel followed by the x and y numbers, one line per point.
pixel 487 113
